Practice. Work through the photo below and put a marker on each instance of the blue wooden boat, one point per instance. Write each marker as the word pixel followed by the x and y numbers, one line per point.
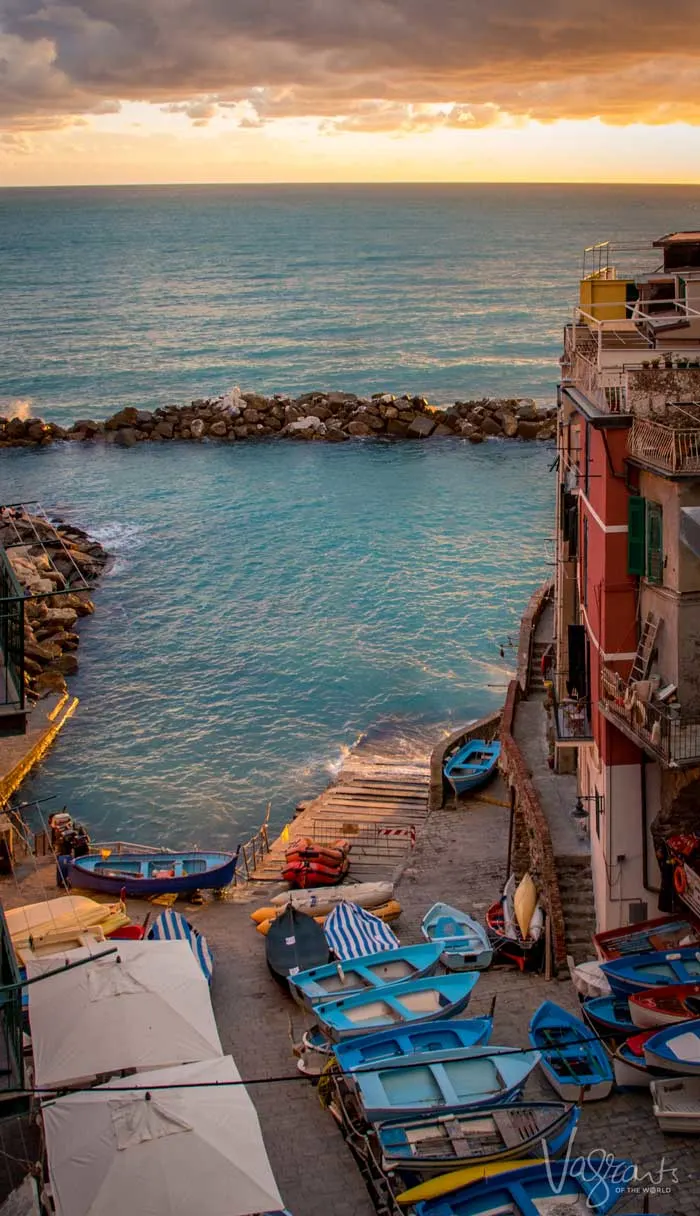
pixel 639 971
pixel 524 1192
pixel 473 765
pixel 428 1146
pixel 573 1060
pixel 675 1049
pixel 370 971
pixel 431 1039
pixel 465 943
pixel 609 1016
pixel 662 933
pixel 442 996
pixel 474 1077
pixel 145 874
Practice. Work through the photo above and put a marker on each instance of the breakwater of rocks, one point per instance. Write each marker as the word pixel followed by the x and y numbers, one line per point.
pixel 331 417
pixel 55 565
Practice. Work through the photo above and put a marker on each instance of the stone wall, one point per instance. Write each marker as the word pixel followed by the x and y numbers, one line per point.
pixel 330 417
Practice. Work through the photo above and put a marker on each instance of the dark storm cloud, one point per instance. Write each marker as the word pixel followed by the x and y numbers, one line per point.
pixel 357 64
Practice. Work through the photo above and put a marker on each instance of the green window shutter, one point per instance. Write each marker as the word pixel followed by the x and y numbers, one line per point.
pixel 636 535
pixel 655 543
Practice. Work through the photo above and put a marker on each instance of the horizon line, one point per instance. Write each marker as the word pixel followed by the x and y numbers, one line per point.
pixel 350 182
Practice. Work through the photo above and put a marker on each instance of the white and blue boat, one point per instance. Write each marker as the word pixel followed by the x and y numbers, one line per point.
pixel 472 765
pixel 429 1146
pixel 442 996
pixel 609 1016
pixel 573 1060
pixel 370 972
pixel 477 1076
pixel 465 943
pixel 635 973
pixel 535 1189
pixel 675 1049
pixel 144 874
pixel 431 1039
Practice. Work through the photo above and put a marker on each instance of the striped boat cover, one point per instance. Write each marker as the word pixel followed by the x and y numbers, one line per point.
pixel 352 931
pixel 172 926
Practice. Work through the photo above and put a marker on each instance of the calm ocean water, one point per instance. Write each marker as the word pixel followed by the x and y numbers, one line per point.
pixel 271 604
pixel 148 295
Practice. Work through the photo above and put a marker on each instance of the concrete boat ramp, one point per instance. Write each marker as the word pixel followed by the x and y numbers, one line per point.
pixel 379 803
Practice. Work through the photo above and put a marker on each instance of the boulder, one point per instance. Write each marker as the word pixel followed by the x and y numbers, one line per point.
pixel 510 425
pixel 164 429
pixel 389 411
pixel 126 437
pixel 61 616
pixel 49 681
pixel 292 413
pixel 143 417
pixel 309 423
pixel 527 412
pixel 358 428
pixel 219 429
pixel 123 418
pixel 374 421
pixel 528 430
pixel 255 401
pixel 241 431
pixel 421 427
pixel 489 426
pixel 442 431
pixel 197 428
pixel 395 427
pixel 41 654
pixel 335 435
pixel 67 664
pixel 475 437
pixel 251 415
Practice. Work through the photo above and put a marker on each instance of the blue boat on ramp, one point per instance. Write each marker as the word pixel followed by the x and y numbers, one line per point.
pixel 535 1190
pixel 431 1039
pixel 466 945
pixel 573 1060
pixel 477 1076
pixel 442 996
pixel 140 875
pixel 429 1146
pixel 472 766
pixel 609 1016
pixel 637 972
pixel 370 972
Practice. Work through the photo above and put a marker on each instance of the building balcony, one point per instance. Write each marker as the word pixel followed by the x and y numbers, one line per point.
pixel 662 731
pixel 572 723
pixel 672 450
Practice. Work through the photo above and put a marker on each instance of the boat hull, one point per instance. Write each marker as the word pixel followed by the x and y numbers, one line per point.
pixel 393 1046
pixel 505 1193
pixel 630 1071
pixel 81 875
pixel 675 1049
pixel 662 933
pixel 466 946
pixel 666 1006
pixel 409 1148
pixel 457 766
pixel 372 971
pixel 654 970
pixel 413 1003
pixel 609 1016
pixel 576 1067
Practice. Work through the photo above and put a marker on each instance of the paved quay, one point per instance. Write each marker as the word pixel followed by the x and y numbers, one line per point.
pixel 460 857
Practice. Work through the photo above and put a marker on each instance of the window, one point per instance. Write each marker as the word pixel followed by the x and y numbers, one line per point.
pixel 645 539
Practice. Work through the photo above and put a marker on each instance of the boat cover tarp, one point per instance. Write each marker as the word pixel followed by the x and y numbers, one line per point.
pixel 193 1148
pixel 145 1006
pixel 352 932
pixel 172 926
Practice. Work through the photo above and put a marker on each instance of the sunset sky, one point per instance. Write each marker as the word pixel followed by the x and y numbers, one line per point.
pixel 108 91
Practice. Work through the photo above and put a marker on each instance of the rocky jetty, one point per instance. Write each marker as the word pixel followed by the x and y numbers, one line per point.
pixel 58 564
pixel 330 417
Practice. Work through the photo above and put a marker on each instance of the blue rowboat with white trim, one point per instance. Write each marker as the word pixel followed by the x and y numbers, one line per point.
pixel 465 943
pixel 473 765
pixel 393 1046
pixel 172 926
pixel 145 874
pixel 371 972
pixel 609 1016
pixel 431 1145
pixel 573 1060
pixel 532 1190
pixel 442 996
pixel 639 971
pixel 675 1049
pixel 474 1077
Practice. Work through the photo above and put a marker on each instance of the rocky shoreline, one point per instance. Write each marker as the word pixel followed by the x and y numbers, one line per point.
pixel 48 559
pixel 331 417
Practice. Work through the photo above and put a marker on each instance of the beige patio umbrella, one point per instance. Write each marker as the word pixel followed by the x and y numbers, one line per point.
pixel 182 1151
pixel 145 1006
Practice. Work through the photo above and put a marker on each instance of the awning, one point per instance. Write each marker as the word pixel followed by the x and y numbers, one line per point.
pixel 145 1006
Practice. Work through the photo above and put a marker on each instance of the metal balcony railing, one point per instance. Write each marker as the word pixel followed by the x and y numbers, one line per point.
pixel 669 449
pixel 663 731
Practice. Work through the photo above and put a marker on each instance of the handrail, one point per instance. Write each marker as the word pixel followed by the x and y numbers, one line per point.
pixel 673 449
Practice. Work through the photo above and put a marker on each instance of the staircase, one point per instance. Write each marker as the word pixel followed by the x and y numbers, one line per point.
pixel 576 890
pixel 536 688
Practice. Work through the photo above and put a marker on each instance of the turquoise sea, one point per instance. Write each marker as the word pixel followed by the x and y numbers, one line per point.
pixel 270 605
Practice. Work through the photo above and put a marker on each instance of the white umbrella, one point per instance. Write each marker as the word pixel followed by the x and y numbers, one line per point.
pixel 178 1152
pixel 145 1006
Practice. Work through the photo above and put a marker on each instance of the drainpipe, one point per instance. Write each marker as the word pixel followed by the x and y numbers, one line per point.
pixel 645 838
